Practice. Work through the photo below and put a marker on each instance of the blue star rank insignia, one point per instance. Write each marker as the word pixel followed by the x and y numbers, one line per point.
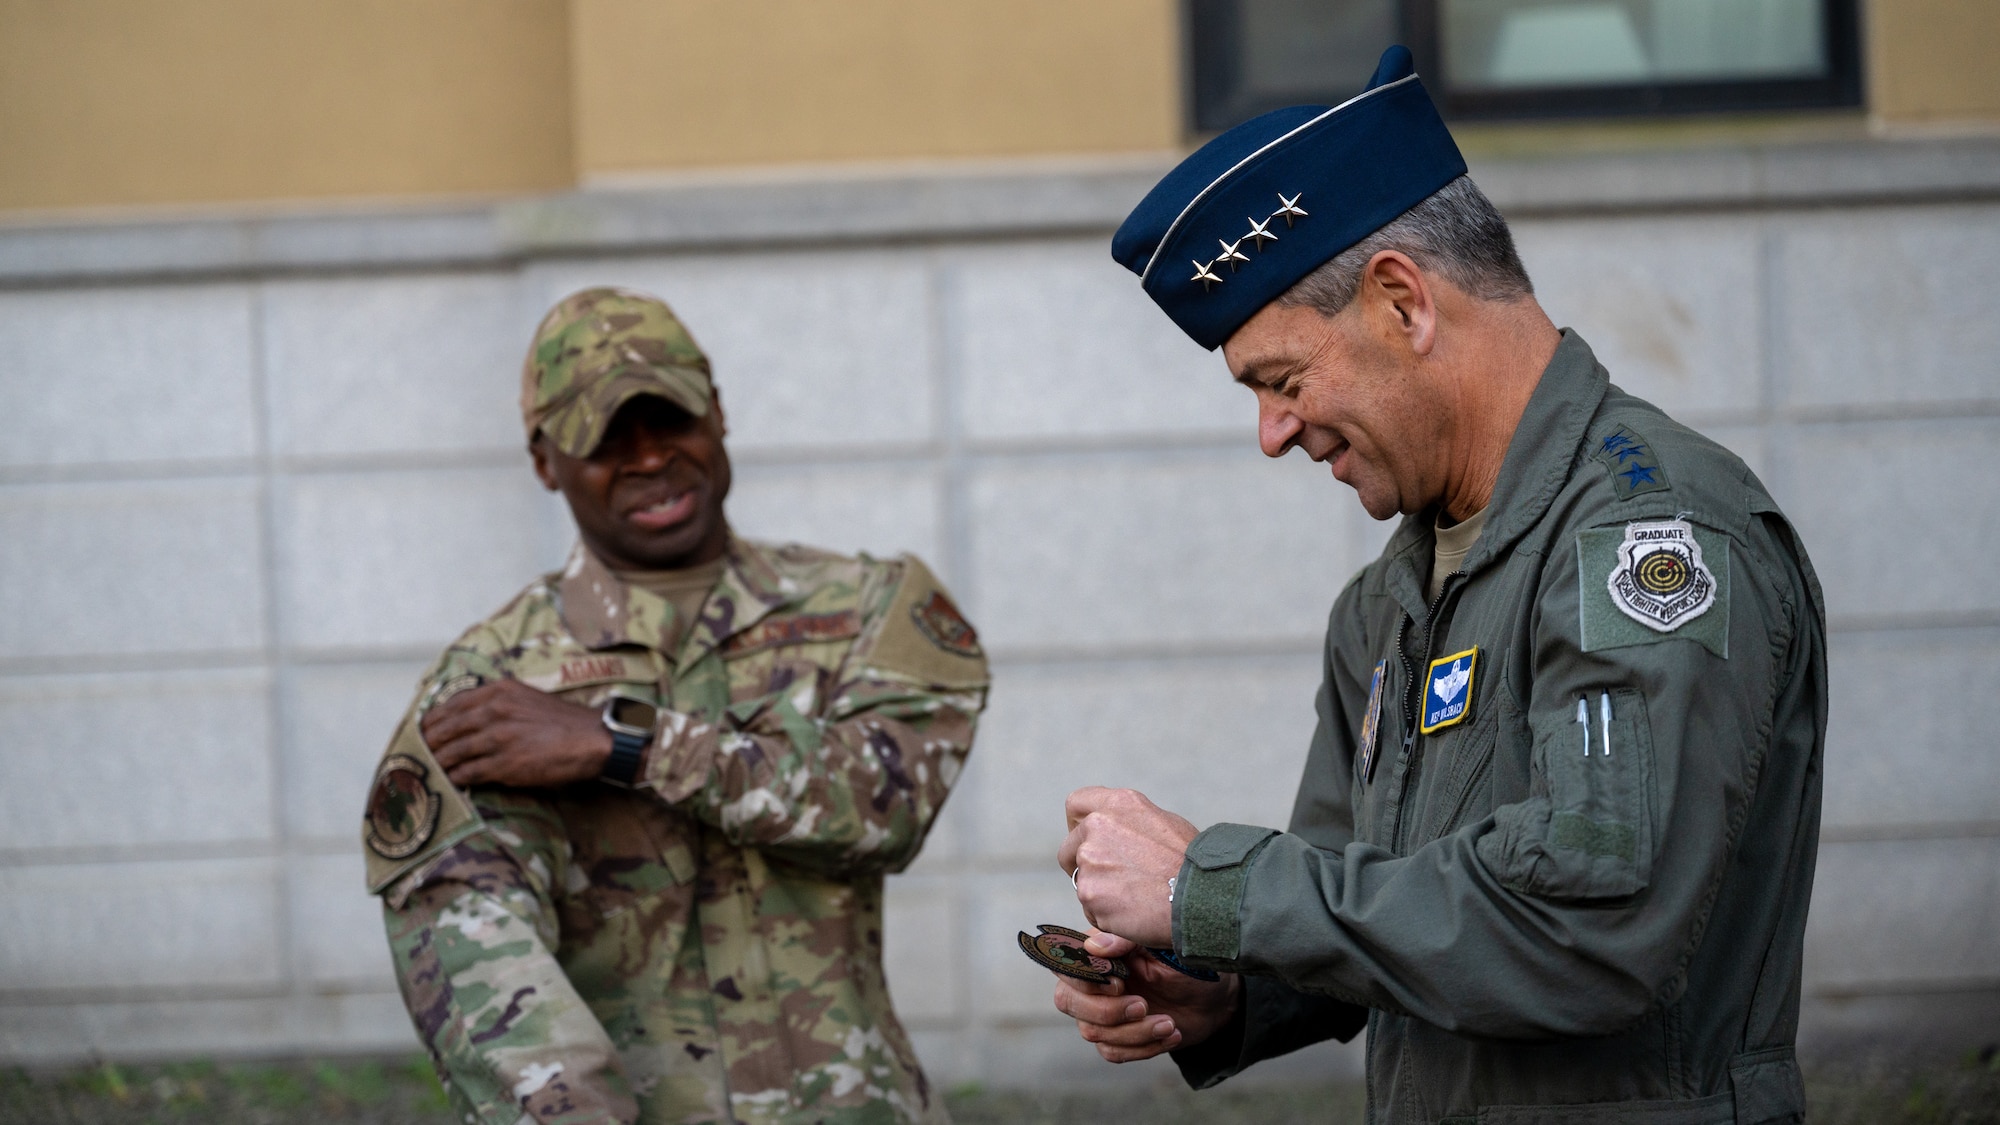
pixel 1634 470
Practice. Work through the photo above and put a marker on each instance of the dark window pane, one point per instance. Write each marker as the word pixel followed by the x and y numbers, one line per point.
pixel 1248 56
pixel 1507 44
pixel 1528 58
pixel 1302 48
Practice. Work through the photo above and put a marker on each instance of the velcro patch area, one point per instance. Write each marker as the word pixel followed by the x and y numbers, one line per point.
pixel 1653 580
pixel 925 638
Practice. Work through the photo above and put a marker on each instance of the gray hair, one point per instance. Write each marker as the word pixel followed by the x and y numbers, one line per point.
pixel 1456 232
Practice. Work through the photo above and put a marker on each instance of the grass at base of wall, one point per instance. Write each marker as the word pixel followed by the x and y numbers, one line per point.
pixel 1963 1091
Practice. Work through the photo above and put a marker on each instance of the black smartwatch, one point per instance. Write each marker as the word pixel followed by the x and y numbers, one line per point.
pixel 631 722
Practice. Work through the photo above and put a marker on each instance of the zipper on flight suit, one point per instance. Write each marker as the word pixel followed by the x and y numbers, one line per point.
pixel 1413 699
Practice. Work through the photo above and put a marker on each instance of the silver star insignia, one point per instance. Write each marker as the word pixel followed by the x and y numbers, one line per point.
pixel 1231 254
pixel 1205 275
pixel 1259 232
pixel 1289 208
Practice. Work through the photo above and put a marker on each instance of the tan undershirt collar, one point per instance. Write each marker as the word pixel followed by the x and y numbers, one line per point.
pixel 684 589
pixel 1453 544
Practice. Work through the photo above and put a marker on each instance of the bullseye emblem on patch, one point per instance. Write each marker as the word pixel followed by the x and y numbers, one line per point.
pixel 948 629
pixel 402 810
pixel 1659 580
pixel 1059 949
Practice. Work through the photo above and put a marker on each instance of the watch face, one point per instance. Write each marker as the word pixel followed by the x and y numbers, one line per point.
pixel 635 714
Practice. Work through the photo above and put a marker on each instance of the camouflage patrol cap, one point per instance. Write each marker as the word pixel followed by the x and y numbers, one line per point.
pixel 597 350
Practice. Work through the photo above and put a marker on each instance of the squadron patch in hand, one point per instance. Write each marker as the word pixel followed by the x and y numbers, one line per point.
pixel 1059 949
pixel 948 629
pixel 402 810
pixel 1660 580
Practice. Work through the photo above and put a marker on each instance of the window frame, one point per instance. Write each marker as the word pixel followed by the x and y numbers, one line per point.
pixel 1215 98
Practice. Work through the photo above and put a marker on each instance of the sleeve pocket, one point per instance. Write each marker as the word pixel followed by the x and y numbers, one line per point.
pixel 1588 831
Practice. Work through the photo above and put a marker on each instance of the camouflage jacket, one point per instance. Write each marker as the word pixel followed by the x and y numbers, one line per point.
pixel 707 946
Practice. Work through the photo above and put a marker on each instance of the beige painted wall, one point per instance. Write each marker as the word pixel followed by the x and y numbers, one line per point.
pixel 109 103
pixel 1934 61
pixel 137 102
pixel 680 83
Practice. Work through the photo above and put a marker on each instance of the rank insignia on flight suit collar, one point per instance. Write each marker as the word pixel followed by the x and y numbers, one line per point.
pixel 1448 690
pixel 1634 470
pixel 1371 722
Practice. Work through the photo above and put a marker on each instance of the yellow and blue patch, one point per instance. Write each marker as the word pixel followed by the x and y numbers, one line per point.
pixel 1448 690
pixel 1371 723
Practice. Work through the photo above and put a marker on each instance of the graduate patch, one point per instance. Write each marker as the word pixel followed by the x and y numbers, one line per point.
pixel 1653 580
pixel 1660 581
pixel 1448 690
pixel 1371 722
pixel 402 810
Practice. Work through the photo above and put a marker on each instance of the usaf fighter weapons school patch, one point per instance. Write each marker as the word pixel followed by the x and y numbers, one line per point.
pixel 1448 690
pixel 1652 580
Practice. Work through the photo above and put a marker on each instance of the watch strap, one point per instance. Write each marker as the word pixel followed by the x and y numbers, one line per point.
pixel 628 753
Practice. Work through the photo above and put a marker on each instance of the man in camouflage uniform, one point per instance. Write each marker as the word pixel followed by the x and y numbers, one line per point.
pixel 630 837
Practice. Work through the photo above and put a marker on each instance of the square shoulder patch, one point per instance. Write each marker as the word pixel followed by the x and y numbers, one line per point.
pixel 1652 580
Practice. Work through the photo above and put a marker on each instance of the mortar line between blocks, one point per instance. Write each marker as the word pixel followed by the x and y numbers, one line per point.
pixel 274 658
pixel 955 543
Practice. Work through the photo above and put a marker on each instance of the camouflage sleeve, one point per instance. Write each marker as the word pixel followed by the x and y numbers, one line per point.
pixel 472 933
pixel 850 782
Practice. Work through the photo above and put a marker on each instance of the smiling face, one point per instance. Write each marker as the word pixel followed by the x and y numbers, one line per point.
pixel 1349 392
pixel 649 496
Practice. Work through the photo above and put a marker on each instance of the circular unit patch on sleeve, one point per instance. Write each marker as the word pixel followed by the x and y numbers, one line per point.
pixel 940 621
pixel 402 809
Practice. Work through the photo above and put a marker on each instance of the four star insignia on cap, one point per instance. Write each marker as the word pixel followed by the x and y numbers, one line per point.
pixel 1232 252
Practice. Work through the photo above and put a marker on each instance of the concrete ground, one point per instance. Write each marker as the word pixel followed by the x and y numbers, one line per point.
pixel 1942 1091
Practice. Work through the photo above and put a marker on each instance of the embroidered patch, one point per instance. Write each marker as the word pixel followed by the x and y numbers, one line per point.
pixel 1371 722
pixel 1634 469
pixel 402 809
pixel 1448 690
pixel 1659 580
pixel 1651 581
pixel 804 628
pixel 547 669
pixel 940 621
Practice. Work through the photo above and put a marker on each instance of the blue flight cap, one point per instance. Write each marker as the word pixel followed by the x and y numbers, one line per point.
pixel 1266 203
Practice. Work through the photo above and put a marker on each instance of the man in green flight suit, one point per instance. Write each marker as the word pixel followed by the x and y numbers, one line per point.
pixel 1554 840
pixel 630 837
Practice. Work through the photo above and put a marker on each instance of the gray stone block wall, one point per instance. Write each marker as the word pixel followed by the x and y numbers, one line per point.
pixel 256 471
